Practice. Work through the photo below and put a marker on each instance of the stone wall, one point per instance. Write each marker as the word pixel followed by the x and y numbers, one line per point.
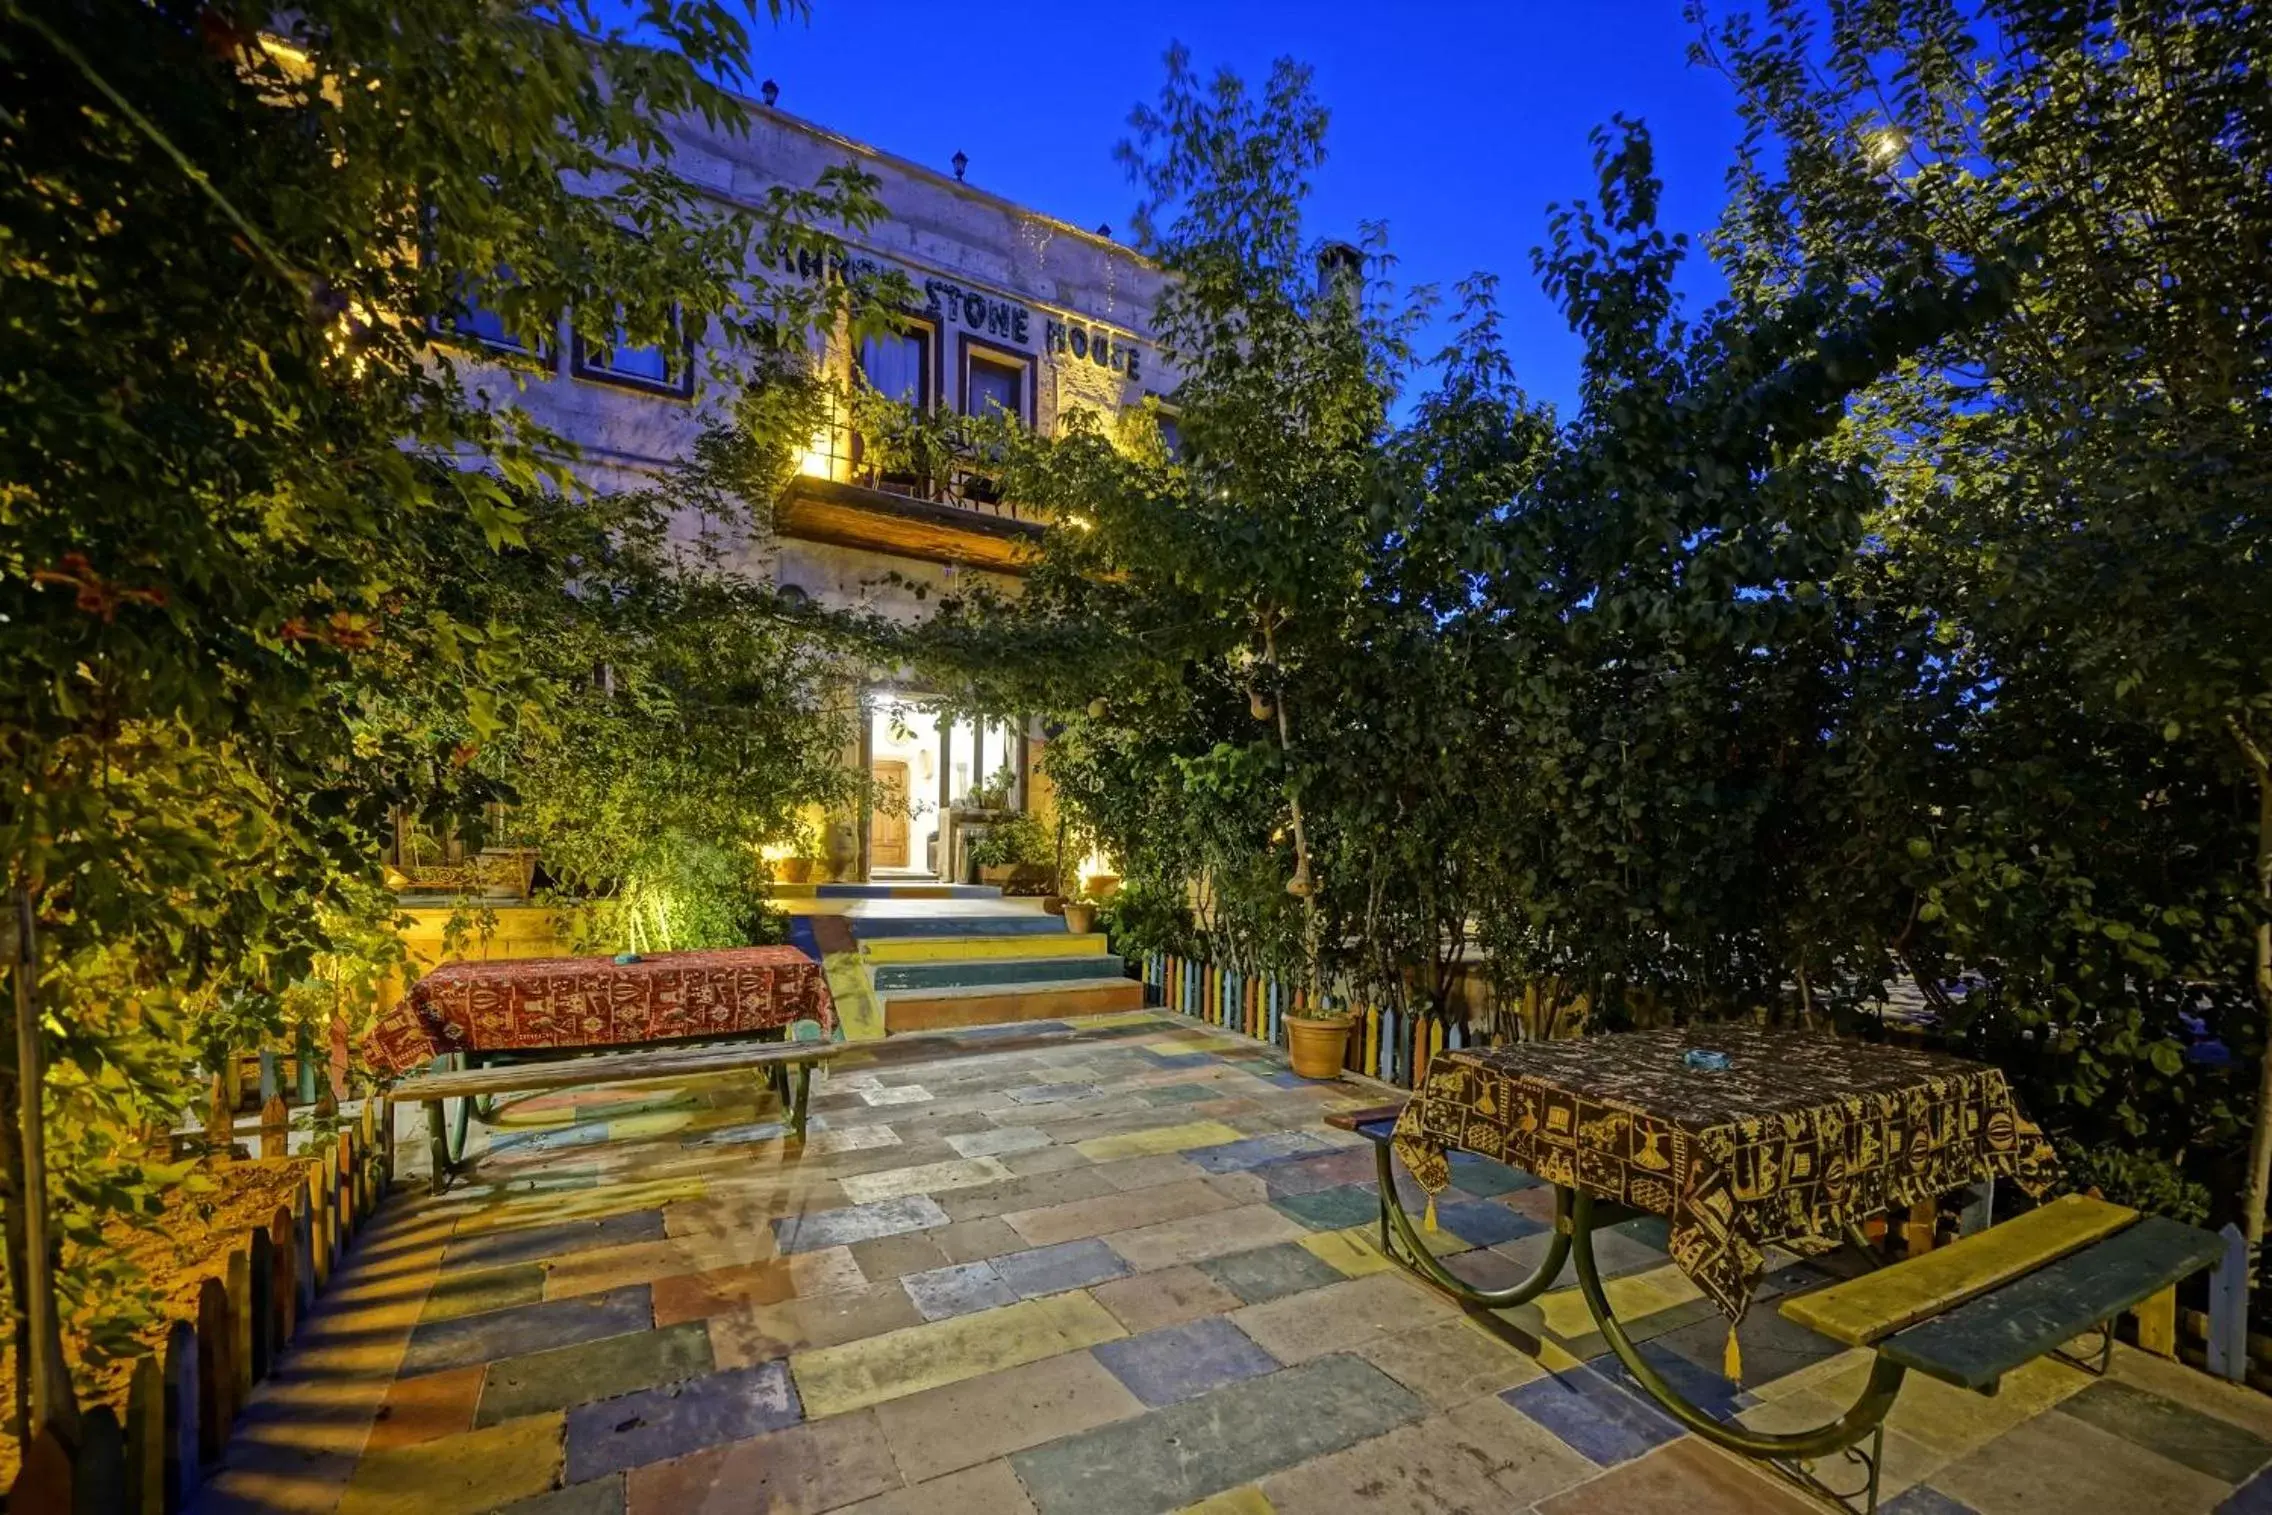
pixel 1072 303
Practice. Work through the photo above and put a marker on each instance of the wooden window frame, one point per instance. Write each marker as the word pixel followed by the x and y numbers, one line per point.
pixel 923 326
pixel 969 346
pixel 582 366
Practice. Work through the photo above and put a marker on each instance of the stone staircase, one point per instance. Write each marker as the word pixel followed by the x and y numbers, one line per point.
pixel 924 957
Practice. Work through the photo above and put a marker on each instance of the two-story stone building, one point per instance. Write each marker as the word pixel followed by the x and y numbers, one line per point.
pixel 1017 312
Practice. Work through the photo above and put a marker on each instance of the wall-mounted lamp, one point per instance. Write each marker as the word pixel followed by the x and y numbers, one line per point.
pixel 770 91
pixel 961 162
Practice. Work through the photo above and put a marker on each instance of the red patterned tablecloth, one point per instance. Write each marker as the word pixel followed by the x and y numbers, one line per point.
pixel 594 1002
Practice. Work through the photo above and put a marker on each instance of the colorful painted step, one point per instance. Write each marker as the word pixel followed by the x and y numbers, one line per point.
pixel 1037 923
pixel 933 1010
pixel 907 891
pixel 896 978
pixel 940 949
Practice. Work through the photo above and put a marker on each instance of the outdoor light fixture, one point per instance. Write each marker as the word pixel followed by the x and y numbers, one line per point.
pixel 814 462
pixel 962 162
pixel 770 91
pixel 1886 146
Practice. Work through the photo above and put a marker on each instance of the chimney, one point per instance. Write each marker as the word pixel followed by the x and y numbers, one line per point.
pixel 1339 262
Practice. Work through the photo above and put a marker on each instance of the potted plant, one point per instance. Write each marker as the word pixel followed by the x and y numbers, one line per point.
pixel 802 859
pixel 1013 853
pixel 1317 1045
pixel 1080 913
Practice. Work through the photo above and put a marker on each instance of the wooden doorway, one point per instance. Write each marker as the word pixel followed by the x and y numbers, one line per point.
pixel 887 816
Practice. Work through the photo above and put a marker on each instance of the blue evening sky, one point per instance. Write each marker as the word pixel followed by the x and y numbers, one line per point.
pixel 1455 123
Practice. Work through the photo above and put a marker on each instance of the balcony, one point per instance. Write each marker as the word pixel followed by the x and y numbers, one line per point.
pixel 932 503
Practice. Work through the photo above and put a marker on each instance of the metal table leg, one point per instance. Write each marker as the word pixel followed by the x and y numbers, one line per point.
pixel 804 1077
pixel 447 1150
pixel 1794 1453
pixel 1414 1253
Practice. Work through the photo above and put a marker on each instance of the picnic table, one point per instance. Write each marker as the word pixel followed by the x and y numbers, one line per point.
pixel 1798 1141
pixel 608 1021
pixel 1794 1142
pixel 555 1004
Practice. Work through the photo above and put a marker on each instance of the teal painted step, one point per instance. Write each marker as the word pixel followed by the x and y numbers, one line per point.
pixel 907 891
pixel 890 978
pixel 869 927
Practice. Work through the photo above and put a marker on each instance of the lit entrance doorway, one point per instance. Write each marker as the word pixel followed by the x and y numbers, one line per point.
pixel 925 770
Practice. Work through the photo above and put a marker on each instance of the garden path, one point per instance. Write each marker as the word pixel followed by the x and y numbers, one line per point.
pixel 1109 1267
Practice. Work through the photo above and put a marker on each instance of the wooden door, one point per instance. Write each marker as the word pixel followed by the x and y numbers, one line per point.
pixel 887 821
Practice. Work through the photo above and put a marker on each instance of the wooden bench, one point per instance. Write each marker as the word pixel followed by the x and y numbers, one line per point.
pixel 1978 1308
pixel 651 1065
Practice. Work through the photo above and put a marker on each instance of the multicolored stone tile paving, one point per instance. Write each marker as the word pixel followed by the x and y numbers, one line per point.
pixel 1113 1267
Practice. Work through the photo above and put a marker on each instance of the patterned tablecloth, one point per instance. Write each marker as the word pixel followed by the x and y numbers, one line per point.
pixel 1801 1136
pixel 594 1002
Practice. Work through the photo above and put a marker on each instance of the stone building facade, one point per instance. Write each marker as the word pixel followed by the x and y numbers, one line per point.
pixel 1016 310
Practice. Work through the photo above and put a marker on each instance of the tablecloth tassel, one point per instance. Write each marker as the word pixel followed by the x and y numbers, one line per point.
pixel 1731 1361
pixel 1428 1221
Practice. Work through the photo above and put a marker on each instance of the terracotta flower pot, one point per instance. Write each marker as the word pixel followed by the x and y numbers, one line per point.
pixel 1317 1044
pixel 1080 917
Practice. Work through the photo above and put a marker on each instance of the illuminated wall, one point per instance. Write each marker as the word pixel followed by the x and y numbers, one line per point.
pixel 993 279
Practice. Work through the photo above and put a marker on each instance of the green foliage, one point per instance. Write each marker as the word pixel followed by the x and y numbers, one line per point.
pixel 682 720
pixel 687 894
pixel 1219 614
pixel 256 518
pixel 2141 1180
pixel 1145 916
pixel 2072 511
pixel 1903 616
pixel 1019 841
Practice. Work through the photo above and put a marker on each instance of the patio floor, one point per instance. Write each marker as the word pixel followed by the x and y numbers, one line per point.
pixel 1105 1268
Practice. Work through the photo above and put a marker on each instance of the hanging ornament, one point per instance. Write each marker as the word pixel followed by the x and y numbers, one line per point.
pixel 1299 885
pixel 1258 705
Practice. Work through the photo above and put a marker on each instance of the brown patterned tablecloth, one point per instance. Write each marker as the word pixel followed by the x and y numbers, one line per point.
pixel 596 1002
pixel 1801 1136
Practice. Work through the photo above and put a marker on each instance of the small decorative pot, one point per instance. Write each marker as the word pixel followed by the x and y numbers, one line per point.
pixel 1317 1044
pixel 1080 917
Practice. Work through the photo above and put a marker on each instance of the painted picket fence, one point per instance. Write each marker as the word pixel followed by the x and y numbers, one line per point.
pixel 185 1397
pixel 1383 1044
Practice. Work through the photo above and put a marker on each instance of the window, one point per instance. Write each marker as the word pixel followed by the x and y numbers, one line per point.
pixel 993 381
pixel 661 367
pixel 1171 434
pixel 475 320
pixel 897 365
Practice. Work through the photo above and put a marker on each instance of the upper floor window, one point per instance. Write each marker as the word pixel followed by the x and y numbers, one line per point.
pixel 478 320
pixel 897 365
pixel 662 367
pixel 1171 434
pixel 993 381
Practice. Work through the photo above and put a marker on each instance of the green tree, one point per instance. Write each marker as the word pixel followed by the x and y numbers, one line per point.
pixel 1263 651
pixel 1691 719
pixel 235 457
pixel 2076 499
pixel 687 717
pixel 1222 588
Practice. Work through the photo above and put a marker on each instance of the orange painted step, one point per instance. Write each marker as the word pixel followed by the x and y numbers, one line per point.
pixel 908 1012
